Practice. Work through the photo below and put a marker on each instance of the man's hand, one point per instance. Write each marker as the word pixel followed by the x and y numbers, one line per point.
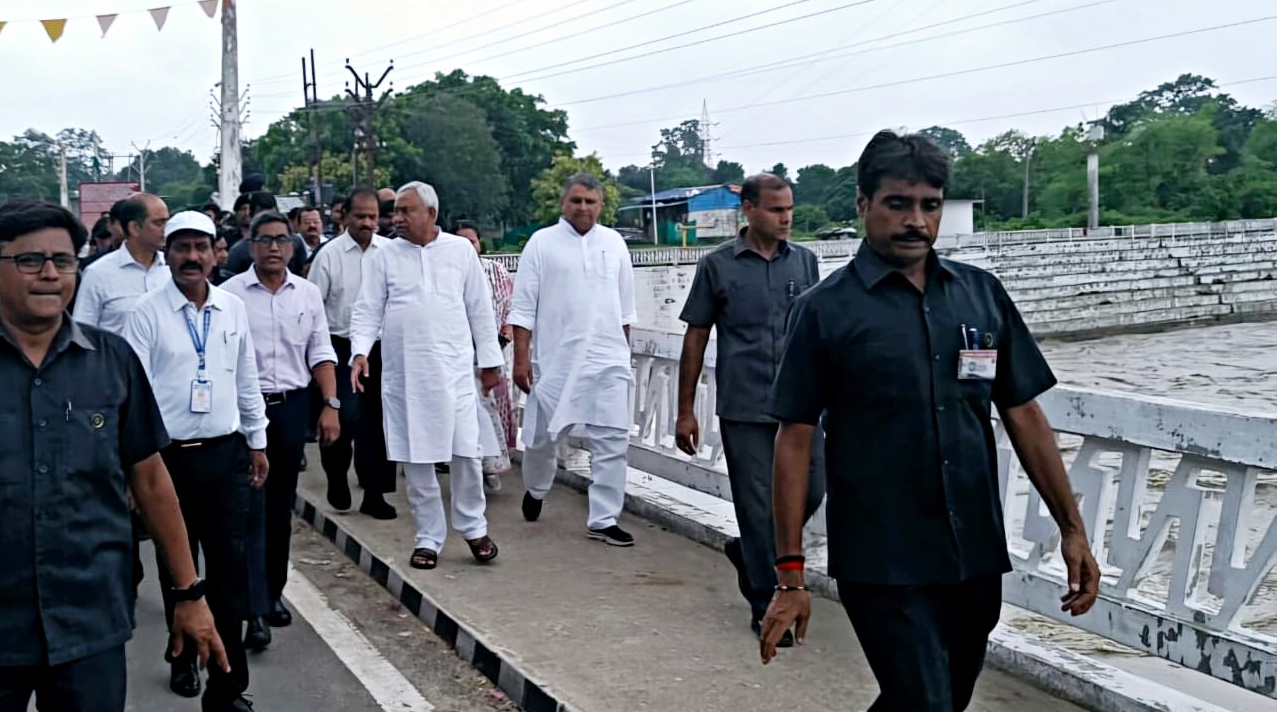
pixel 329 426
pixel 258 468
pixel 687 433
pixel 358 370
pixel 786 609
pixel 1084 575
pixel 506 334
pixel 192 619
pixel 489 378
pixel 523 375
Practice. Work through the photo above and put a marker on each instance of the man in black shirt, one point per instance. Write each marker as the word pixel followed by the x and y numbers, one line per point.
pixel 80 428
pixel 902 353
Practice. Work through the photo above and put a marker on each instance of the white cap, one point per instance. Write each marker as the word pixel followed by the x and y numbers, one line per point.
pixel 190 220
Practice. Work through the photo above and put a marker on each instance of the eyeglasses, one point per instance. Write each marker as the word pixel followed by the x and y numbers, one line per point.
pixel 33 262
pixel 279 240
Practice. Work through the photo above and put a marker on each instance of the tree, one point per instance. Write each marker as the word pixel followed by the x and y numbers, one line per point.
pixel 547 188
pixel 457 154
pixel 780 171
pixel 679 157
pixel 809 218
pixel 813 184
pixel 336 169
pixel 952 141
pixel 728 172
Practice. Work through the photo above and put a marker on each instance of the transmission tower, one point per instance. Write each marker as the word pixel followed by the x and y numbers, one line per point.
pixel 707 136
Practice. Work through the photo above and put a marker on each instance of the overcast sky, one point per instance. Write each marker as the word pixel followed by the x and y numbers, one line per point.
pixel 798 90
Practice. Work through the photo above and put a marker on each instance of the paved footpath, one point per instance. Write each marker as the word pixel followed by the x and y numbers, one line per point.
pixel 351 648
pixel 653 628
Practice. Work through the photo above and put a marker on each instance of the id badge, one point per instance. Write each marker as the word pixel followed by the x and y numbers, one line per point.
pixel 201 397
pixel 977 364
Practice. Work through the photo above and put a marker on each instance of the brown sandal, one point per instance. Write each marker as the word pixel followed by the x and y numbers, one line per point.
pixel 424 559
pixel 483 549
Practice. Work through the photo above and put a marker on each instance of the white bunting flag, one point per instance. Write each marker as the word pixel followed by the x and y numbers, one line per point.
pixel 209 7
pixel 104 21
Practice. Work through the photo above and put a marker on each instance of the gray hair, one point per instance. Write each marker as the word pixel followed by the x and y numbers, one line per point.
pixel 425 191
pixel 585 180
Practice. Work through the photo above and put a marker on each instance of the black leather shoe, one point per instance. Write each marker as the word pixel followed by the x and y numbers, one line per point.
pixel 279 617
pixel 258 636
pixel 376 506
pixel 531 507
pixel 239 704
pixel 339 495
pixel 184 678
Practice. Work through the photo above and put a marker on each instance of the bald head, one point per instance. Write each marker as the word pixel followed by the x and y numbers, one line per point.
pixel 386 194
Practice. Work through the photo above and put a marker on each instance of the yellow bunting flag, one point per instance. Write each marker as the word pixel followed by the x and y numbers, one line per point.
pixel 209 7
pixel 54 28
pixel 104 21
pixel 159 14
pixel 2 24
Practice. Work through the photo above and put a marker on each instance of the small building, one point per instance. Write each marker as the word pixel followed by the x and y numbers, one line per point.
pixel 706 214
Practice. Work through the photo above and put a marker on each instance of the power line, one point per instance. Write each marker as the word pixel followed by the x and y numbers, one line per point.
pixel 948 75
pixel 824 56
pixel 786 21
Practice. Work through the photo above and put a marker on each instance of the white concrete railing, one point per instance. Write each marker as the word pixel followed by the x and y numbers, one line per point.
pixel 1196 593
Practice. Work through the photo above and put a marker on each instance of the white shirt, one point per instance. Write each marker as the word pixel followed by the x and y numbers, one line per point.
pixel 338 272
pixel 432 307
pixel 290 331
pixel 113 284
pixel 575 293
pixel 158 332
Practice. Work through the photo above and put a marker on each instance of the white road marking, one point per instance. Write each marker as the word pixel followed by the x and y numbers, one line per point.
pixel 388 687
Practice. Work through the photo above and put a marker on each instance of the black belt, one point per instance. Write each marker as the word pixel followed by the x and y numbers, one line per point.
pixel 204 442
pixel 284 396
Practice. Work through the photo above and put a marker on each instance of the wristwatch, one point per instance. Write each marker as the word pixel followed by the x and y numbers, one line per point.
pixel 194 592
pixel 334 403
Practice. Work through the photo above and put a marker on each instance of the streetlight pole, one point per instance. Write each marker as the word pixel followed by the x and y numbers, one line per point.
pixel 656 232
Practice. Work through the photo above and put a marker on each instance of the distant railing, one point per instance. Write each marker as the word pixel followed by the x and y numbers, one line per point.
pixel 1178 500
pixel 826 249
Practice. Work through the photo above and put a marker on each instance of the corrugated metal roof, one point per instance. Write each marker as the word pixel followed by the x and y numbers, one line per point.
pixel 675 195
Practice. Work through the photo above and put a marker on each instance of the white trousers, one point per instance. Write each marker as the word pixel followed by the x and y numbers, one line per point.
pixel 426 499
pixel 608 468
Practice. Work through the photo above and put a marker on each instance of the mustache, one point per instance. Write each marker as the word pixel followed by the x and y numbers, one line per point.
pixel 192 265
pixel 910 236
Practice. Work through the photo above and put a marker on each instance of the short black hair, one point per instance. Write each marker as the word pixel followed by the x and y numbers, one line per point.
pixel 908 157
pixel 387 208
pixel 293 213
pixel 101 229
pixel 338 201
pixel 114 213
pixel 584 180
pixel 23 217
pixel 214 207
pixel 133 210
pixel 465 224
pixel 752 189
pixel 348 203
pixel 266 218
pixel 241 201
pixel 260 200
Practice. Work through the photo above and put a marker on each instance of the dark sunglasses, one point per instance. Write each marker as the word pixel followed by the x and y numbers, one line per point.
pixel 33 262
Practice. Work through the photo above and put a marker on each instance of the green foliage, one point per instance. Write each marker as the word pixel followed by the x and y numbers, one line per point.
pixel 809 218
pixel 547 188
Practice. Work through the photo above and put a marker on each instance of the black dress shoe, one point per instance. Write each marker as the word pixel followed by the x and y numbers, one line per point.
pixel 279 617
pixel 531 507
pixel 339 495
pixel 376 506
pixel 258 636
pixel 184 678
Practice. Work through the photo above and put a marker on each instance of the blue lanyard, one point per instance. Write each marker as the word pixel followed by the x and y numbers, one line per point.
pixel 201 344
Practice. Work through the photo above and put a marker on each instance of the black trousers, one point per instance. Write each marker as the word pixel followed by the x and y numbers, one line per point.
pixel 925 644
pixel 92 684
pixel 211 479
pixel 749 449
pixel 363 434
pixel 285 443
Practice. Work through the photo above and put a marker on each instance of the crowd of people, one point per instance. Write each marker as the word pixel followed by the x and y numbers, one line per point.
pixel 166 385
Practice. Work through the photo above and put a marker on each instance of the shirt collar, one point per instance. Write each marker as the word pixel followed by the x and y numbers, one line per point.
pixel 350 245
pixel 178 301
pixel 872 270
pixel 126 258
pixel 69 333
pixel 290 279
pixel 740 246
pixel 563 222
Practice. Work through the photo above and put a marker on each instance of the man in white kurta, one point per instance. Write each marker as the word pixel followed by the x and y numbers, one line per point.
pixel 426 295
pixel 574 295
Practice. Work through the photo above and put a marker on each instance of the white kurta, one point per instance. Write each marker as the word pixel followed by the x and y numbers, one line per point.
pixel 575 293
pixel 431 307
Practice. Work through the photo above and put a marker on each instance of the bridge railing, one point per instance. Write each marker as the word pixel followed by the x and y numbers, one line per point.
pixel 1178 500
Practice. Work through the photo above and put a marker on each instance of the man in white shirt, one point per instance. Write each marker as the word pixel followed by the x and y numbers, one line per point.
pixel 113 284
pixel 574 291
pixel 290 337
pixel 194 342
pixel 338 272
pixel 427 296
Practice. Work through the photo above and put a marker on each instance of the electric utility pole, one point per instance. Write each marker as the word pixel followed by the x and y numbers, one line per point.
pixel 363 107
pixel 230 165
pixel 310 88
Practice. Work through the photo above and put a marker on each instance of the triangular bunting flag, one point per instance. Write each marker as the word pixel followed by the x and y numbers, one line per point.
pixel 159 14
pixel 104 21
pixel 54 28
pixel 209 7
